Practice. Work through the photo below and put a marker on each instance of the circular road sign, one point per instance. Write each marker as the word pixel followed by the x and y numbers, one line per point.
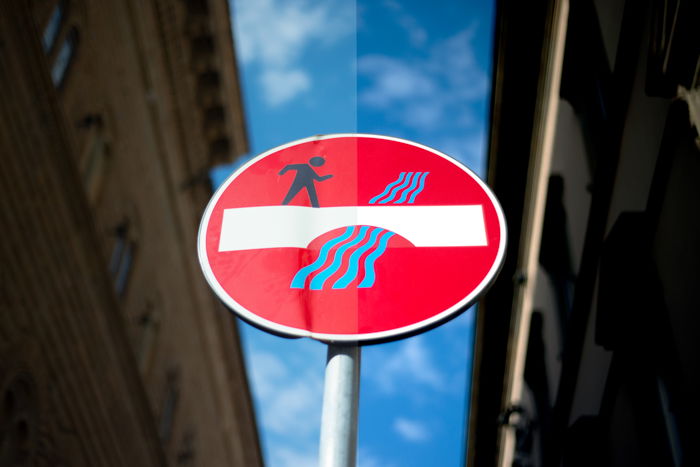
pixel 351 237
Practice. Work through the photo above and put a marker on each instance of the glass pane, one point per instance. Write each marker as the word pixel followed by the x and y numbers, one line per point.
pixel 122 277
pixel 117 253
pixel 94 166
pixel 63 59
pixel 52 27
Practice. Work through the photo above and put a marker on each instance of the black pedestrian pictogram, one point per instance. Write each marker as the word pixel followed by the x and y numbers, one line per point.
pixel 305 177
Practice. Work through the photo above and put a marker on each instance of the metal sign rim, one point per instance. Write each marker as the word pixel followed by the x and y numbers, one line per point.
pixel 387 335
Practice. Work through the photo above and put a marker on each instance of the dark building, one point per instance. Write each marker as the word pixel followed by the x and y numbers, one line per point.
pixel 587 350
pixel 113 351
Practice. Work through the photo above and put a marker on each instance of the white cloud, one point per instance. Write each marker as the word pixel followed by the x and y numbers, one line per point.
pixel 297 457
pixel 456 59
pixel 366 458
pixel 286 378
pixel 411 430
pixel 431 91
pixel 274 34
pixel 284 85
pixel 394 81
pixel 410 363
pixel 416 34
pixel 289 399
pixel 290 457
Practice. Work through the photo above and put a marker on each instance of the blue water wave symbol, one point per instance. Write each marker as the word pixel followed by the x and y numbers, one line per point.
pixel 405 188
pixel 347 249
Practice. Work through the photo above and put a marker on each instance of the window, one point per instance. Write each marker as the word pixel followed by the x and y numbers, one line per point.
pixel 122 258
pixel 64 58
pixel 52 27
pixel 95 158
pixel 19 418
pixel 167 415
pixel 186 452
pixel 147 333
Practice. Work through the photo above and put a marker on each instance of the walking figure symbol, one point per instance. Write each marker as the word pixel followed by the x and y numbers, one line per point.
pixel 305 178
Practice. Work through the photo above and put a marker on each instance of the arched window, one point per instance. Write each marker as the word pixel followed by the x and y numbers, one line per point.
pixel 95 156
pixel 64 57
pixel 122 257
pixel 53 27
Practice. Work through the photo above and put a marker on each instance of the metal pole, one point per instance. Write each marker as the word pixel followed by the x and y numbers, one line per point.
pixel 340 400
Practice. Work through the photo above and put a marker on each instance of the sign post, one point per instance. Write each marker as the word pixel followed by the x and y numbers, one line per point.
pixel 350 239
pixel 341 395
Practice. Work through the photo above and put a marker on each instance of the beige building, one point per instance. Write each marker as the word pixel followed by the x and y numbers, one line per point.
pixel 587 347
pixel 113 351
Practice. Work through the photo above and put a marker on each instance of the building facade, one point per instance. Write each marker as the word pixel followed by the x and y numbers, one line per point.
pixel 113 351
pixel 587 347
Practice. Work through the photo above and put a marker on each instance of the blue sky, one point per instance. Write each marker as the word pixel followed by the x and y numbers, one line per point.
pixel 412 69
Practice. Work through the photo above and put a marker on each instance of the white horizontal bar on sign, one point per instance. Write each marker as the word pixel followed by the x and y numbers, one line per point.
pixel 429 225
pixel 280 226
pixel 296 226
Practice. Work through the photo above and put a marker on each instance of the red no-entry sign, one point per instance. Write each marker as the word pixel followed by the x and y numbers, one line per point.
pixel 351 238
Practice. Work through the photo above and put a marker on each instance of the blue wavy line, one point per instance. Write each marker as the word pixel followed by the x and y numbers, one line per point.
pixel 354 262
pixel 369 278
pixel 318 281
pixel 420 188
pixel 408 190
pixel 388 188
pixel 396 189
pixel 299 280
